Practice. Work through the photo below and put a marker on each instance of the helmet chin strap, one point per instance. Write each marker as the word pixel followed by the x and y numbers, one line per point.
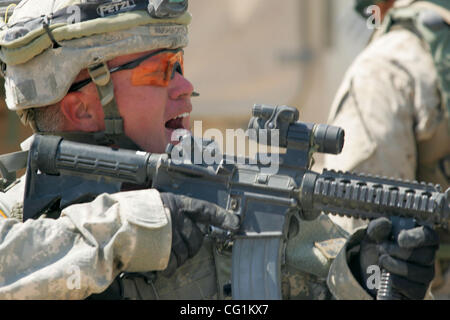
pixel 114 129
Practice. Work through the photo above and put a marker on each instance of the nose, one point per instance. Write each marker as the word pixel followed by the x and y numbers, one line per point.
pixel 180 87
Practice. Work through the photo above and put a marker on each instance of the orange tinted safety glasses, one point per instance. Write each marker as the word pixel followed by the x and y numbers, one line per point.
pixel 158 70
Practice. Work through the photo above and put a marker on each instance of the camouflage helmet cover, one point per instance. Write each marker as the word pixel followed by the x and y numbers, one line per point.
pixel 46 43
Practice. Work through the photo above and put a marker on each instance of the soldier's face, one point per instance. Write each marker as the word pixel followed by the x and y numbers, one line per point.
pixel 150 113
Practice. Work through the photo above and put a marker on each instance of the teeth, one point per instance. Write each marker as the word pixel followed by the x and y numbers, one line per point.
pixel 184 115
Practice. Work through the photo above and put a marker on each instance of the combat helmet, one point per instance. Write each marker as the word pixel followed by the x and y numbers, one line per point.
pixel 46 43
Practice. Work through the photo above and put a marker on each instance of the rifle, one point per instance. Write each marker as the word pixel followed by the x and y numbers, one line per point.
pixel 265 201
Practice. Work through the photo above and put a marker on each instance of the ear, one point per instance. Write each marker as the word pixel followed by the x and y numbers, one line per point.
pixel 80 115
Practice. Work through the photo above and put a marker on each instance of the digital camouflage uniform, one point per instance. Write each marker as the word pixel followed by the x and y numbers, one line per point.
pixel 393 104
pixel 119 241
pixel 130 231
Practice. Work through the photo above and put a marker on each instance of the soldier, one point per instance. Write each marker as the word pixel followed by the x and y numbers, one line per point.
pixel 116 78
pixel 394 102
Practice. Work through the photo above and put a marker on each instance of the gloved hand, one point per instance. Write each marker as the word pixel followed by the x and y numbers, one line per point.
pixel 410 259
pixel 187 238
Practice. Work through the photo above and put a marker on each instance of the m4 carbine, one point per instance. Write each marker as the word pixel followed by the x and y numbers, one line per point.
pixel 265 200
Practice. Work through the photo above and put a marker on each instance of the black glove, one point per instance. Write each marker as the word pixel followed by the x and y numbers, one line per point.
pixel 410 259
pixel 187 237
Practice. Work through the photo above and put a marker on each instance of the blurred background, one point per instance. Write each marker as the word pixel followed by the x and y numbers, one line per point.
pixel 242 52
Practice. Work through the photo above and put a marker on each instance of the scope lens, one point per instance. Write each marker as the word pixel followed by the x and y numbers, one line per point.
pixel 330 139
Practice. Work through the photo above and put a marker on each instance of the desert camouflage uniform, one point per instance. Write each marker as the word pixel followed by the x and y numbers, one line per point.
pixel 125 231
pixel 395 122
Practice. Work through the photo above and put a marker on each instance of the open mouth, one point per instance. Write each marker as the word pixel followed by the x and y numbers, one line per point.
pixel 176 123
